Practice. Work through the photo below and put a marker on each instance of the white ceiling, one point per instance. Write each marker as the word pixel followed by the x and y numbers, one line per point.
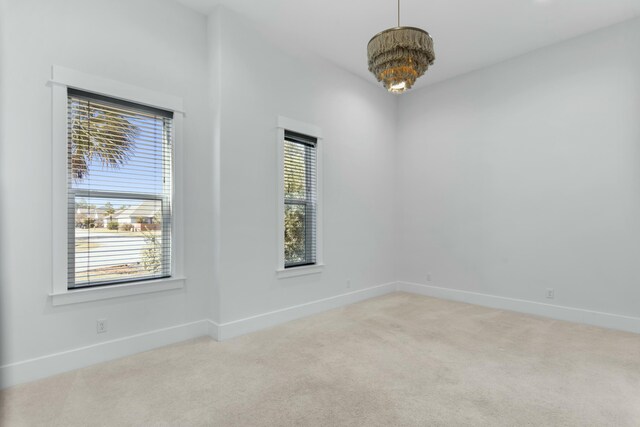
pixel 468 34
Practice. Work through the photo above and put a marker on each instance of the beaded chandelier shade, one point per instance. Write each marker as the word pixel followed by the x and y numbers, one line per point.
pixel 399 55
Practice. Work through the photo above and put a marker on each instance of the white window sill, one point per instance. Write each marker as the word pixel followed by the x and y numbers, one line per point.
pixel 114 291
pixel 282 273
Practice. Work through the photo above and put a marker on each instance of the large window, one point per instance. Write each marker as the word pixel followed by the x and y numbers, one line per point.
pixel 119 165
pixel 300 199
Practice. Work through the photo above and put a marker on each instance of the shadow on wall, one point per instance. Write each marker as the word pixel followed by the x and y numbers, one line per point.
pixel 3 281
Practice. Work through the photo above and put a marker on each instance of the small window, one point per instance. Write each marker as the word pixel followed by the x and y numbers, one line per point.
pixel 300 199
pixel 119 166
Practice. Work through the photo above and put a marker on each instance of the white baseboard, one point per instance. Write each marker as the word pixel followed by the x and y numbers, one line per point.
pixel 212 329
pixel 52 364
pixel 261 321
pixel 595 318
pixel 41 367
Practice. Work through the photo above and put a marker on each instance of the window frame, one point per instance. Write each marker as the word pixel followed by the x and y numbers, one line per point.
pixel 295 126
pixel 61 80
pixel 308 202
pixel 164 198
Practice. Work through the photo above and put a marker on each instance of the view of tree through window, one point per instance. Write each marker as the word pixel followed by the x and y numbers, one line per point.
pixel 300 200
pixel 119 160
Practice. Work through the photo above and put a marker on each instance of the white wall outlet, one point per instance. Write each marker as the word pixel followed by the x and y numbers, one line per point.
pixel 348 284
pixel 428 277
pixel 551 293
pixel 101 326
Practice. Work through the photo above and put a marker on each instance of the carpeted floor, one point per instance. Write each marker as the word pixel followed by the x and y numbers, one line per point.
pixel 397 360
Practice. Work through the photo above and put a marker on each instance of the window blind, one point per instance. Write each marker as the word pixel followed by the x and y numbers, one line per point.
pixel 300 199
pixel 119 167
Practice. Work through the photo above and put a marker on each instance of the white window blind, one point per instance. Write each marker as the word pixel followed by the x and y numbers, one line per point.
pixel 119 187
pixel 300 199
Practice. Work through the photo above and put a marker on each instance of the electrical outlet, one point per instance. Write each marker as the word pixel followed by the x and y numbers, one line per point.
pixel 348 284
pixel 551 293
pixel 428 277
pixel 101 326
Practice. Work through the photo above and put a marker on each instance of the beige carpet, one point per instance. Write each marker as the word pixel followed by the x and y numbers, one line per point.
pixel 398 360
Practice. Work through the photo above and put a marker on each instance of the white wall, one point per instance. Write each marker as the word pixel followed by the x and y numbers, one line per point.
pixel 234 85
pixel 259 82
pixel 526 175
pixel 157 45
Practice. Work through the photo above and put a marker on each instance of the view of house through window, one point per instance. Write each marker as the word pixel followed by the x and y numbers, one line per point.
pixel 299 200
pixel 119 166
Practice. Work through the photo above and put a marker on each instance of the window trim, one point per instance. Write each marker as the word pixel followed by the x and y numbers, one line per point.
pixel 285 123
pixel 62 79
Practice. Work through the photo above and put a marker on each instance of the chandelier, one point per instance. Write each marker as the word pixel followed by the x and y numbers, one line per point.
pixel 399 55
